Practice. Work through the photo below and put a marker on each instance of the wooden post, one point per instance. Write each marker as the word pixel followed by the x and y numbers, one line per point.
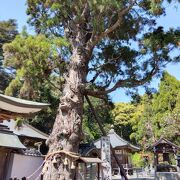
pixel 98 171
pixel 157 155
pixel 85 171
pixel 155 164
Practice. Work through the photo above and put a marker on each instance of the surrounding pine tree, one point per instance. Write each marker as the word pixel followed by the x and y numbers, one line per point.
pixel 36 76
pixel 143 128
pixel 103 111
pixel 124 115
pixel 160 114
pixel 166 108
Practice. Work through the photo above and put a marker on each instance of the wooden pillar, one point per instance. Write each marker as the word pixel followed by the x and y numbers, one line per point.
pixel 85 171
pixel 4 162
pixel 122 156
pixel 155 160
pixel 7 163
pixel 98 175
pixel 91 171
pixel 76 170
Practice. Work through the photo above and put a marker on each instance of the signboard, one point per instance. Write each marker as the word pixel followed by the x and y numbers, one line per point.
pixel 106 158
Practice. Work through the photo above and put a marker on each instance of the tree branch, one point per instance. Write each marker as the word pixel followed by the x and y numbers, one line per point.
pixel 95 77
pixel 109 61
pixel 96 38
pixel 130 82
pixel 85 13
pixel 52 84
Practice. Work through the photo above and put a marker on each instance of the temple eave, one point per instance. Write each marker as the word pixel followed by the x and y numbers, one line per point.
pixel 11 107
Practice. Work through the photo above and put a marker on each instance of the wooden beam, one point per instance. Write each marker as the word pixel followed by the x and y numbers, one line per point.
pixel 7 115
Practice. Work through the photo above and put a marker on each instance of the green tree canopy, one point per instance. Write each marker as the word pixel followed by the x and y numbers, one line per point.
pixel 103 112
pixel 8 31
pixel 160 115
pixel 166 107
pixel 165 99
pixel 124 115
pixel 36 62
pixel 114 28
pixel 143 128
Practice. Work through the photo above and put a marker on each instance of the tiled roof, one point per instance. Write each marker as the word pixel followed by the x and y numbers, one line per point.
pixel 11 106
pixel 85 148
pixel 165 141
pixel 116 141
pixel 8 139
pixel 26 130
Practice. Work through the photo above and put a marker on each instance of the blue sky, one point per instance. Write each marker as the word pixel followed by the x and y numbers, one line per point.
pixel 16 9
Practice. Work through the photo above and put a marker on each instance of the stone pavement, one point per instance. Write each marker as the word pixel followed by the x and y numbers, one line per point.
pixel 159 176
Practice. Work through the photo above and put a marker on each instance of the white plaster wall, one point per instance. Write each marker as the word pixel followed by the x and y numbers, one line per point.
pixel 24 166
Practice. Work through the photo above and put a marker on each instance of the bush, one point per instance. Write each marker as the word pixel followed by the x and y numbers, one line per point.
pixel 137 160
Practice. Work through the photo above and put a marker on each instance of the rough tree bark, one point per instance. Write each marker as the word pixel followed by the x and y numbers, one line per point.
pixel 67 130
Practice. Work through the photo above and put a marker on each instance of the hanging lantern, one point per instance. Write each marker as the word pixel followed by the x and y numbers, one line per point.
pixel 73 165
pixel 66 161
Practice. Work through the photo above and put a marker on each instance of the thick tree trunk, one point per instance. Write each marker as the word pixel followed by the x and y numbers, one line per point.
pixel 67 130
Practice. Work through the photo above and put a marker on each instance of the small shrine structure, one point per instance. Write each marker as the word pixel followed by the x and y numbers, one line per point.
pixel 164 151
pixel 123 150
pixel 85 168
pixel 11 107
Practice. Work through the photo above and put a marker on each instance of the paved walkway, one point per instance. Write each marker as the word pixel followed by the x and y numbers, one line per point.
pixel 160 176
pixel 135 178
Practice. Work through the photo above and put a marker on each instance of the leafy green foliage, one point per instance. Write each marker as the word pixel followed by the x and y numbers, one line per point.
pixel 137 160
pixel 90 128
pixel 166 107
pixel 8 31
pixel 35 60
pixel 165 99
pixel 143 128
pixel 152 116
pixel 45 119
pixel 124 115
pixel 160 115
pixel 114 60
